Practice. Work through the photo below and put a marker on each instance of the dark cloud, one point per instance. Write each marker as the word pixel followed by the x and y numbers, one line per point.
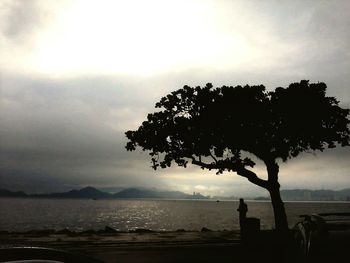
pixel 59 130
pixel 66 133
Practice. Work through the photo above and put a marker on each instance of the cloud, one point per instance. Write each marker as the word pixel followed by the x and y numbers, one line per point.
pixel 221 36
pixel 20 18
pixel 71 87
pixel 61 130
pixel 60 133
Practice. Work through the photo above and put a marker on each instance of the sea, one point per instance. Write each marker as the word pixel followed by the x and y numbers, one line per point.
pixel 27 214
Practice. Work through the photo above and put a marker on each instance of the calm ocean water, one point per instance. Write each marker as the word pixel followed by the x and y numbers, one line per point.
pixel 163 215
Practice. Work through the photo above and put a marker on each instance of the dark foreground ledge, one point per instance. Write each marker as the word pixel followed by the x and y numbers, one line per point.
pixel 149 246
pixel 135 246
pixel 142 237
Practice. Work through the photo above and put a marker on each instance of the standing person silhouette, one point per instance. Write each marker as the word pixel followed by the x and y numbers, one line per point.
pixel 242 209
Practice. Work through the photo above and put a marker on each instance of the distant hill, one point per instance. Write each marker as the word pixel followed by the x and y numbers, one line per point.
pixel 84 193
pixel 7 193
pixel 138 193
pixel 315 195
pixel 312 195
pixel 93 193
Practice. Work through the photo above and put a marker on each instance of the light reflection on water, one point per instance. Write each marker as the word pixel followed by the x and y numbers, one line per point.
pixel 124 215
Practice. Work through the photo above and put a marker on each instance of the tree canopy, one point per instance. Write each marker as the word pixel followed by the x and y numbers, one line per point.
pixel 211 127
pixel 214 128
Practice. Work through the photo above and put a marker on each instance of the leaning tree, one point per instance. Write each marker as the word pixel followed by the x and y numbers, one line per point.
pixel 215 128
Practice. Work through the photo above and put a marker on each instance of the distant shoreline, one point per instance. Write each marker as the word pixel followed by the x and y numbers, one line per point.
pixel 304 195
pixel 169 199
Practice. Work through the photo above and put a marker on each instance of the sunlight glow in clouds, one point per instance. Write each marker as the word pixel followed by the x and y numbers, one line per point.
pixel 139 37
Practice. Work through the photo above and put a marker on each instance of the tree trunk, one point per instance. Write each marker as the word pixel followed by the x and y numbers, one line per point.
pixel 281 222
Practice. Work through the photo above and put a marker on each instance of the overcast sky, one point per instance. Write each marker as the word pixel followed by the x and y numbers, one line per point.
pixel 75 75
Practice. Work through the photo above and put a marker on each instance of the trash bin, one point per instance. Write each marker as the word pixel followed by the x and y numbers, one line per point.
pixel 252 226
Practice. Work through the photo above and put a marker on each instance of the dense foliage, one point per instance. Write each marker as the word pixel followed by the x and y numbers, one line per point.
pixel 212 126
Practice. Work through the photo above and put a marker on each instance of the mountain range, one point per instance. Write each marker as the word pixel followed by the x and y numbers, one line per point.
pixel 130 193
pixel 93 193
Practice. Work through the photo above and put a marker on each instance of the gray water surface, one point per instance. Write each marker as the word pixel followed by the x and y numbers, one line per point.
pixel 18 214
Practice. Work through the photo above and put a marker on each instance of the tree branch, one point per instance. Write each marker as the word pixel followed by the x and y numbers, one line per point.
pixel 240 169
pixel 203 164
pixel 216 161
pixel 252 177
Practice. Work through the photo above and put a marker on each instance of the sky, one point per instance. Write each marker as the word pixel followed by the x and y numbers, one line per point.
pixel 75 75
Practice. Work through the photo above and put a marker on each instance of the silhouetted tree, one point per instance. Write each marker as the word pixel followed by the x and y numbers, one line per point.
pixel 214 128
